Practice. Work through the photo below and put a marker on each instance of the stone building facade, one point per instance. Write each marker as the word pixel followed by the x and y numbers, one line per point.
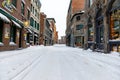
pixel 77 29
pixel 13 14
pixel 35 22
pixel 48 33
pixel 102 25
pixel 74 23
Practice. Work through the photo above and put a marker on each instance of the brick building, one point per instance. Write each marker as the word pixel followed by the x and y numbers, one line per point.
pixel 42 26
pixel 48 33
pixel 75 23
pixel 55 33
pixel 13 14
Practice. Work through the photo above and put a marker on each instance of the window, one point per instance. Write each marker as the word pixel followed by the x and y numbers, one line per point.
pixel 31 7
pixel 37 26
pixel 78 27
pixel 31 21
pixel 28 14
pixel 22 8
pixel 12 34
pixel 90 32
pixel 38 15
pixel 116 30
pixel 14 2
pixel 91 1
pixel 28 38
pixel 1 30
pixel 33 10
pixel 78 18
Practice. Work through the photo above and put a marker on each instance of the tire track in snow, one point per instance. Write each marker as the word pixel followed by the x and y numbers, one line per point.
pixel 12 55
pixel 25 68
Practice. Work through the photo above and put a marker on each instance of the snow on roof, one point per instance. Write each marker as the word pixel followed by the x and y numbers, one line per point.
pixel 16 24
pixel 4 18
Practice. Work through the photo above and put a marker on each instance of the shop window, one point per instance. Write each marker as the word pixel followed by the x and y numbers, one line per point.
pixel 28 37
pixel 116 30
pixel 78 41
pixel 22 8
pixel 14 2
pixel 13 34
pixel 90 32
pixel 1 30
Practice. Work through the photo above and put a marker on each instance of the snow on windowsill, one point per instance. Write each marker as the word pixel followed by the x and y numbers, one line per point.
pixel 1 44
pixel 12 44
pixel 27 43
pixel 114 40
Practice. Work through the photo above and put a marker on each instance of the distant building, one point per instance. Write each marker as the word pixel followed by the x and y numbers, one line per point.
pixel 48 31
pixel 56 38
pixel 55 33
pixel 62 40
pixel 42 27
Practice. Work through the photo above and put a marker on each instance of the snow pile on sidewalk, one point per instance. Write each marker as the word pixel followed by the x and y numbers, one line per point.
pixel 58 62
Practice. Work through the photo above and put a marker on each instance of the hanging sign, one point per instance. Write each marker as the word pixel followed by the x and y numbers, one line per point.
pixel 8 5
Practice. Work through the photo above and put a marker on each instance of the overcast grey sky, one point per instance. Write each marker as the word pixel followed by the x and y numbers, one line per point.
pixel 56 9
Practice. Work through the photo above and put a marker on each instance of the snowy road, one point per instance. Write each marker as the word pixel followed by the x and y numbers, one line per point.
pixel 58 63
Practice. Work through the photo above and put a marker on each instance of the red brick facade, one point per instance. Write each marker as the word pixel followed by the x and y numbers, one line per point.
pixel 14 15
pixel 77 5
pixel 42 25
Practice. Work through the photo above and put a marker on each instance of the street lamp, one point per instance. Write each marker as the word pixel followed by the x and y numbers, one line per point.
pixel 26 24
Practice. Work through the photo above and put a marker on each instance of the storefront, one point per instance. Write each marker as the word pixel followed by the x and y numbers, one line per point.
pixel 115 29
pixel 79 41
pixel 4 21
pixel 11 30
pixel 36 37
pixel 90 33
pixel 99 30
pixel 29 37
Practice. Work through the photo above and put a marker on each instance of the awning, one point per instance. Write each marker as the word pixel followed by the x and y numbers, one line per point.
pixel 36 35
pixel 29 31
pixel 16 24
pixel 4 18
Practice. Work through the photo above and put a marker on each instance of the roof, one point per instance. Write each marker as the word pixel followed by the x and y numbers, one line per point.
pixel 51 19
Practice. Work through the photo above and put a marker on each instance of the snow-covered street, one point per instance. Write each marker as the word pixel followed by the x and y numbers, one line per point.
pixel 58 62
